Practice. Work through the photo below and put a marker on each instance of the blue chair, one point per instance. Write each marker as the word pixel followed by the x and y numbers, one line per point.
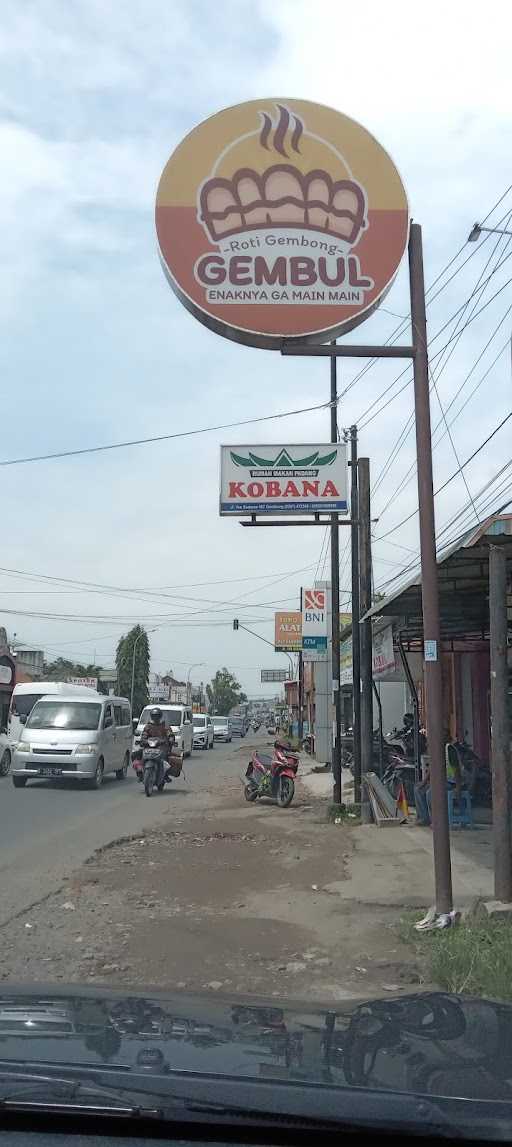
pixel 460 812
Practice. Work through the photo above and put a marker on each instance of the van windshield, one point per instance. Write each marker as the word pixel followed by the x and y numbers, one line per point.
pixel 170 716
pixel 77 716
pixel 220 720
pixel 23 703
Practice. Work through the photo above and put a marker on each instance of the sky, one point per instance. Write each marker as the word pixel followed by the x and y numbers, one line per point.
pixel 96 349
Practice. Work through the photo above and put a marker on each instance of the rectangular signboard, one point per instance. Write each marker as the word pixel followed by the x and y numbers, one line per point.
pixel 88 682
pixel 275 675
pixel 346 662
pixel 314 624
pixel 300 479
pixel 383 655
pixel 288 631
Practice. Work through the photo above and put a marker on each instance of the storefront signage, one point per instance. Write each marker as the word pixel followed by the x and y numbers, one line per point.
pixel 314 624
pixel 302 479
pixel 383 653
pixel 288 631
pixel 279 219
pixel 346 662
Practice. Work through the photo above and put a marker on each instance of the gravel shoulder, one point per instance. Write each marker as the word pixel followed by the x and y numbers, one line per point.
pixel 219 896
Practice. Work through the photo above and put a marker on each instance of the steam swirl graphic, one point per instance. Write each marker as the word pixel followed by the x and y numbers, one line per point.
pixel 280 130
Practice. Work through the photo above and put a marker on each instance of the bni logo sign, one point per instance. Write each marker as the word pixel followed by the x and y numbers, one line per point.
pixel 314 599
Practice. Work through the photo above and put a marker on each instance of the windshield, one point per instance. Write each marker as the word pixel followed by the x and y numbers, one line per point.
pixel 23 703
pixel 169 716
pixel 69 715
pixel 188 187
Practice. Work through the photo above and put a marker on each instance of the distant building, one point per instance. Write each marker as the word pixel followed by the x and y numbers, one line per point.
pixel 29 664
pixel 158 688
pixel 178 690
pixel 107 682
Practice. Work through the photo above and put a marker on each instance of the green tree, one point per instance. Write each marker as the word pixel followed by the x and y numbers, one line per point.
pixel 61 669
pixel 136 643
pixel 224 692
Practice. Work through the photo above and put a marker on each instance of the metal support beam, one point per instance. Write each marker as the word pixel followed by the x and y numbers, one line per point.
pixel 301 687
pixel 324 523
pixel 430 590
pixel 356 613
pixel 381 733
pixel 365 631
pixel 347 351
pixel 335 607
pixel 500 733
pixel 415 706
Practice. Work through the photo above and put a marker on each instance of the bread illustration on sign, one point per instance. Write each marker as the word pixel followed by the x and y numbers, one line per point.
pixel 320 196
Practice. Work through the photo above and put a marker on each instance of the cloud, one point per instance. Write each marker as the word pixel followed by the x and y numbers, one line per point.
pixel 94 347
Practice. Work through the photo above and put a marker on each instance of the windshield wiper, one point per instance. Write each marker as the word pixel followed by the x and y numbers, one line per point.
pixel 227 1101
pixel 43 1094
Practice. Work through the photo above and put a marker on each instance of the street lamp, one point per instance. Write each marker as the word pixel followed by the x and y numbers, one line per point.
pixel 477 229
pixel 137 639
pixel 196 665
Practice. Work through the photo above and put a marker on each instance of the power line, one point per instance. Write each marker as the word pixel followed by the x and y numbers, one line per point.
pixel 412 469
pixel 395 335
pixel 162 437
pixel 408 426
pixel 413 565
pixel 455 474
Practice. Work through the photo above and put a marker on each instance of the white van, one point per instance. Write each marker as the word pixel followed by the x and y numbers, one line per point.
pixel 176 717
pixel 79 738
pixel 24 697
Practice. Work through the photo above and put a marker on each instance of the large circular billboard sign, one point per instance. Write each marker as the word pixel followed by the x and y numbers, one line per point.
pixel 281 219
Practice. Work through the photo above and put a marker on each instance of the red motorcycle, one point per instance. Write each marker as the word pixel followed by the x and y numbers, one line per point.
pixel 272 776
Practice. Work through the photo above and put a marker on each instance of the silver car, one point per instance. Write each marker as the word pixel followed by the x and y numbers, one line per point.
pixel 75 738
pixel 222 728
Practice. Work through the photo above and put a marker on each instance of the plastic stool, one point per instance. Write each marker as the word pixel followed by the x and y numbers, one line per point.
pixel 460 812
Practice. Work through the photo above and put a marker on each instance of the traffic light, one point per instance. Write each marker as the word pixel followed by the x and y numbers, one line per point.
pixel 235 623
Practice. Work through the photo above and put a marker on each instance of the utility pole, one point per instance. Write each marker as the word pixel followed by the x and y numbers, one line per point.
pixel 356 613
pixel 430 590
pixel 365 630
pixel 335 609
pixel 500 744
pixel 301 687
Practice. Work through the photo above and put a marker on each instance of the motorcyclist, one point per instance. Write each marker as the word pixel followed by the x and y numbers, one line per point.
pixel 156 730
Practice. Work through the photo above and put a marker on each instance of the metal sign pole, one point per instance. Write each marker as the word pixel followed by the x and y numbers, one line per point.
pixel 356 612
pixel 365 631
pixel 430 590
pixel 335 609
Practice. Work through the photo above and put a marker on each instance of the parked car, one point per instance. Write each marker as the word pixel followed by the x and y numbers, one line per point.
pixel 222 728
pixel 238 728
pixel 176 717
pixel 203 731
pixel 25 695
pixel 5 753
pixel 75 738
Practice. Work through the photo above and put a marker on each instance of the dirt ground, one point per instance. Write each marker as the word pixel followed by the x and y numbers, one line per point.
pixel 227 897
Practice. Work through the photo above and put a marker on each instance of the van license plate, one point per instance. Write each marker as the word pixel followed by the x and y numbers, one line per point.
pixel 50 772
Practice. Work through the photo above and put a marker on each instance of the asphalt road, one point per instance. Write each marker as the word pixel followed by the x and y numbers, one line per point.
pixel 48 829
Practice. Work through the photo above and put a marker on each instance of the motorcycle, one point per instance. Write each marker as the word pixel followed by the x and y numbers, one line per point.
pixel 308 744
pixel 272 775
pixel 151 766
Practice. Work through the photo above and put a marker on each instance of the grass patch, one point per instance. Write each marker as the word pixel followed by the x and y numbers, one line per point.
pixel 474 958
pixel 344 812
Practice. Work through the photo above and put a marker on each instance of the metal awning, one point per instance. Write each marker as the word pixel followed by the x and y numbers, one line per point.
pixel 463 574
